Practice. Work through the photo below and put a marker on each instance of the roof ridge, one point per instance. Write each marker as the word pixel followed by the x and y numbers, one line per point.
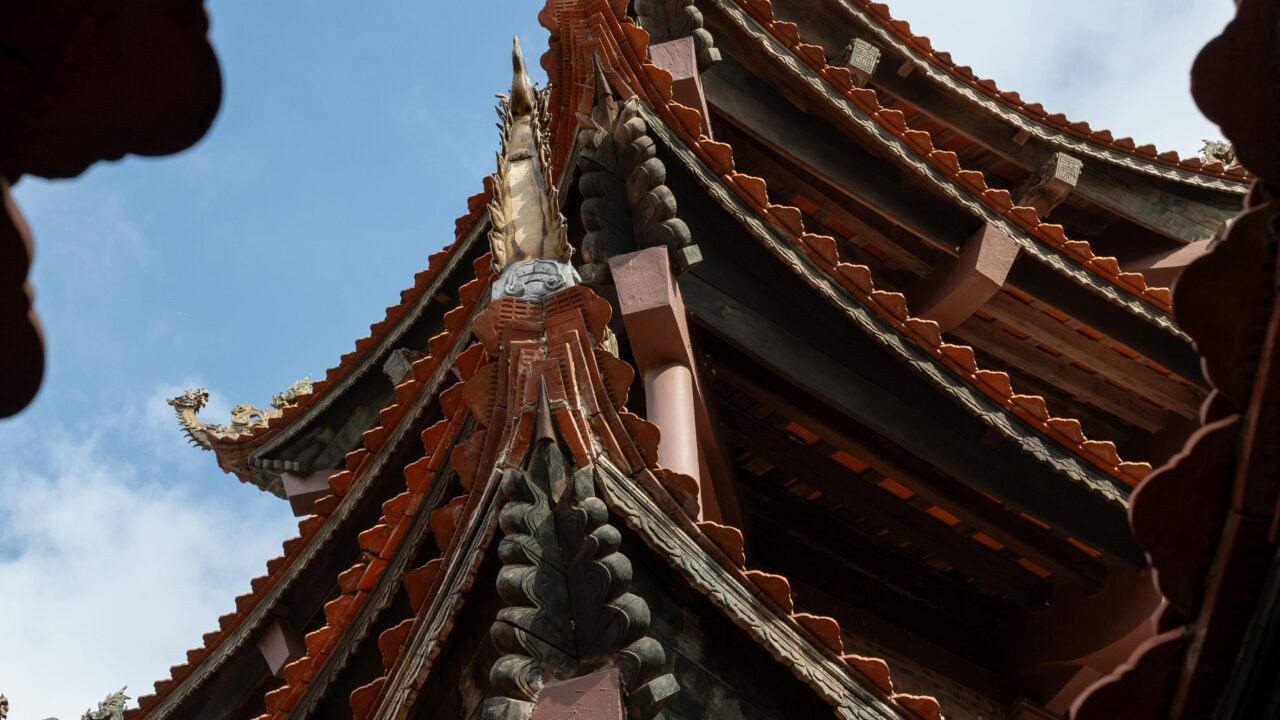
pixel 889 306
pixel 378 544
pixel 921 143
pixel 476 205
pixel 340 484
pixel 879 12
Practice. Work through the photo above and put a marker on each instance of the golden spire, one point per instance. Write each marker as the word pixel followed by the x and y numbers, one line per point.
pixel 524 213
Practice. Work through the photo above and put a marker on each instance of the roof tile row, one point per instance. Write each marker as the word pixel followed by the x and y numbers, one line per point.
pixel 476 205
pixel 1035 111
pixel 921 143
pixel 340 484
pixel 856 279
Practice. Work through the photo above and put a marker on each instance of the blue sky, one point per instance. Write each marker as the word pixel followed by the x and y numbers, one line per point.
pixel 349 138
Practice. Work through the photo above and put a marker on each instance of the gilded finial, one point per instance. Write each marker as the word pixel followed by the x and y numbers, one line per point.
pixel 522 98
pixel 526 225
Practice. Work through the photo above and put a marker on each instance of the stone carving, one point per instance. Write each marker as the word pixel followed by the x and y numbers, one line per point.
pixel 626 204
pixel 861 59
pixel 244 417
pixel 4 708
pixel 112 708
pixel 299 388
pixel 1219 151
pixel 667 20
pixel 524 214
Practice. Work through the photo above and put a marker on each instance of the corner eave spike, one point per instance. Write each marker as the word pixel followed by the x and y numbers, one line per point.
pixel 522 100
pixel 602 89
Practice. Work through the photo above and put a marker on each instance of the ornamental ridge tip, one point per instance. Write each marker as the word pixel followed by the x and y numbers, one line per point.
pixel 528 235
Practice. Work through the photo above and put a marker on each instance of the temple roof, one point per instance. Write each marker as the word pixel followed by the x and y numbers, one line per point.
pixel 542 369
pixel 1076 135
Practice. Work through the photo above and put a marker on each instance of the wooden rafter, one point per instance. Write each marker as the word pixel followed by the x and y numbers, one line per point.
pixel 1097 354
pixel 1043 547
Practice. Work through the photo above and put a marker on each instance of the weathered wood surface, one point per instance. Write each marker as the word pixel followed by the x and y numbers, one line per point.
pixel 884 509
pixel 1097 354
pixel 1059 372
pixel 1003 471
pixel 977 511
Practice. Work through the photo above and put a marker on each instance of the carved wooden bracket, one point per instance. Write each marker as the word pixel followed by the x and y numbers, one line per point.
pixel 953 293
pixel 1050 185
pixel 861 59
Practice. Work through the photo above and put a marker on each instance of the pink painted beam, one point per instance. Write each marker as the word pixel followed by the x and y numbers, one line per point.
pixel 304 490
pixel 658 331
pixel 669 395
pixel 952 293
pixel 280 645
pixel 680 58
pixel 597 696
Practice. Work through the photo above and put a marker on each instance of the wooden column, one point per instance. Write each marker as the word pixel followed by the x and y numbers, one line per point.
pixel 654 315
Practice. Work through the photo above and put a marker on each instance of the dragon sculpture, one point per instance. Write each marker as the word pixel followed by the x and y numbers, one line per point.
pixel 111 708
pixel 1219 151
pixel 244 417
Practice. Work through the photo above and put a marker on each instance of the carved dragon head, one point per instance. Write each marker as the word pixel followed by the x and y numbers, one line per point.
pixel 194 398
pixel 1218 151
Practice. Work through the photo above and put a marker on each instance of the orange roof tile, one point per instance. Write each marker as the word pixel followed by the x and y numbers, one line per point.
pixel 823 251
pixel 901 29
pixel 233 452
pixel 340 485
pixel 974 182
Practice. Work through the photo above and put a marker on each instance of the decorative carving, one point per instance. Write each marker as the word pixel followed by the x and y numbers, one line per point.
pixel 1048 186
pixel 861 59
pixel 299 388
pixel 244 417
pixel 626 203
pixel 112 708
pixel 566 585
pixel 399 363
pixel 524 214
pixel 666 20
pixel 4 708
pixel 1219 151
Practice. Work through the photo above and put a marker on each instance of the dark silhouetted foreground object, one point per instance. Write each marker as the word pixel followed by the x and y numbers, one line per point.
pixel 83 81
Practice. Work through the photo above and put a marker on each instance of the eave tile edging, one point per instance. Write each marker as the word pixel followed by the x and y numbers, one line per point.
pixel 341 484
pixel 1123 151
pixel 423 279
pixel 856 280
pixel 809 62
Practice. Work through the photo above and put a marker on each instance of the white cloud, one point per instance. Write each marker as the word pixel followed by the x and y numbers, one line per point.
pixel 110 571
